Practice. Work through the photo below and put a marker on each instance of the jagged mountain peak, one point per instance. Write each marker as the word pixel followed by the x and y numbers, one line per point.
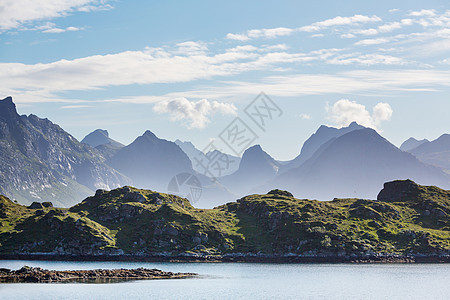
pixel 8 109
pixel 149 135
pixel 412 143
pixel 100 137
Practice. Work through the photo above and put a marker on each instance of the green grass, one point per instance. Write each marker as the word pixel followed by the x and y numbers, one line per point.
pixel 274 223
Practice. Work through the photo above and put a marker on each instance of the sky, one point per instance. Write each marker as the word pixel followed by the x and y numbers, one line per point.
pixel 190 70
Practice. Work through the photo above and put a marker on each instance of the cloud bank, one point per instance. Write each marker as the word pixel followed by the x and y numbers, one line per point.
pixel 16 13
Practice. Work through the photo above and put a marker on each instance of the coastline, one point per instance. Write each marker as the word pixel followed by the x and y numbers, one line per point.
pixel 237 258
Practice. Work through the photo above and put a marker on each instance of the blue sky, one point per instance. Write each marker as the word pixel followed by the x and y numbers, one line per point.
pixel 186 69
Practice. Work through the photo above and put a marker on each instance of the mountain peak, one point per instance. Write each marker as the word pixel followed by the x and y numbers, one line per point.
pixel 354 124
pixel 412 143
pixel 150 135
pixel 100 137
pixel 253 149
pixel 255 155
pixel 102 132
pixel 7 109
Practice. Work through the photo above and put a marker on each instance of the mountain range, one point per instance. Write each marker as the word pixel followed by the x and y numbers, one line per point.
pixel 355 164
pixel 436 153
pixel 40 161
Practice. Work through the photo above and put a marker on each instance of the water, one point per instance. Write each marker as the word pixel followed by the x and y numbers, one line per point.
pixel 246 281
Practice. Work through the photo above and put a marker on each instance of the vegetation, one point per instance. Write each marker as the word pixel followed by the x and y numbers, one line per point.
pixel 408 219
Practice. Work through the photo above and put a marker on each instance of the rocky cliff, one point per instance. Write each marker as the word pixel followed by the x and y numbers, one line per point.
pixel 40 161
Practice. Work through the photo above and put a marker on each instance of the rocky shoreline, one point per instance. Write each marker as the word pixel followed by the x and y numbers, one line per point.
pixel 240 257
pixel 36 274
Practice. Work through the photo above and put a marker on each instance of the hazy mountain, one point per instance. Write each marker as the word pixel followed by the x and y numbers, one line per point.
pixel 320 137
pixel 150 161
pixel 39 160
pixel 256 167
pixel 189 148
pixel 435 153
pixel 229 163
pixel 153 163
pixel 355 164
pixel 100 140
pixel 100 137
pixel 412 143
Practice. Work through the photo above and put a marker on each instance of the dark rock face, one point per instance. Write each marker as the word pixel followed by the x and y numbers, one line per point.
pixel 280 192
pixel 39 160
pixel 398 190
pixel 36 205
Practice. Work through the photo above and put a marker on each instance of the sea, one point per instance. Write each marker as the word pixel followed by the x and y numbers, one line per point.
pixel 244 281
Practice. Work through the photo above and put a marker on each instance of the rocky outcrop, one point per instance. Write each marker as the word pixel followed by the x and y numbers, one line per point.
pixel 35 274
pixel 396 191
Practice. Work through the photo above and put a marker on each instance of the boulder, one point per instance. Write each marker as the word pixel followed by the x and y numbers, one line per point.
pixel 280 193
pixel 398 190
pixel 36 205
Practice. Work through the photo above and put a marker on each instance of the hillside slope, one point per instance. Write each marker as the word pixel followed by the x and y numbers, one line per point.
pixel 407 219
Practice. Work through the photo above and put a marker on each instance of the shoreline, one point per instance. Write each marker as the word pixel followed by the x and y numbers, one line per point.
pixel 235 258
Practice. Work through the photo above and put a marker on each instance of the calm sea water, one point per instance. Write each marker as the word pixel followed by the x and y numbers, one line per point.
pixel 246 281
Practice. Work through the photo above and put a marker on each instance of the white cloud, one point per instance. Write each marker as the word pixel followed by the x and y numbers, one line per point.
pixel 366 59
pixel 195 114
pixel 347 36
pixel 305 117
pixel 317 26
pixel 16 13
pixel 381 112
pixel 344 112
pixel 260 33
pixel 237 37
pixel 369 42
pixel 50 27
pixel 423 12
pixel 339 21
pixel 75 106
pixel 191 48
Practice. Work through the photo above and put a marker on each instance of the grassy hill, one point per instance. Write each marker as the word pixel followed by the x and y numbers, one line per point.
pixel 407 220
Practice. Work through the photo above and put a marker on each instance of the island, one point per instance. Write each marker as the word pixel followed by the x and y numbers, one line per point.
pixel 407 222
pixel 36 274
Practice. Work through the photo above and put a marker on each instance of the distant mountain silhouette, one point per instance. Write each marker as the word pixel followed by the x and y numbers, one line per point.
pixel 189 148
pixel 355 164
pixel 230 165
pixel 40 161
pixel 151 162
pixel 412 143
pixel 256 167
pixel 100 140
pixel 100 137
pixel 435 153
pixel 320 137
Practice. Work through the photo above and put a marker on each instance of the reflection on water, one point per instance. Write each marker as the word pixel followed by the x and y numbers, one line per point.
pixel 244 281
